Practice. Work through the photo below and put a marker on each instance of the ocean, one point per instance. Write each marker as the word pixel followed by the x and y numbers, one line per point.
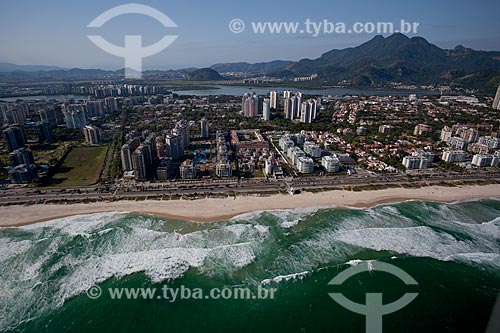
pixel 452 251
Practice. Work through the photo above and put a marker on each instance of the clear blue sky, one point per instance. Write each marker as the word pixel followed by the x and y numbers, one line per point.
pixel 55 32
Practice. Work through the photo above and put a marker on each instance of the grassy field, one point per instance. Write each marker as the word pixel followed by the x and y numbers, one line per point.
pixel 50 153
pixel 81 167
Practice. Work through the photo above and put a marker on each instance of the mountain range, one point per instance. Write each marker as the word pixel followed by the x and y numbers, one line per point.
pixel 396 58
pixel 258 68
pixel 7 67
pixel 205 74
pixel 378 62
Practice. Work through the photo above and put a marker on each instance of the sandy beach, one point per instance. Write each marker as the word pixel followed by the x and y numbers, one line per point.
pixel 211 209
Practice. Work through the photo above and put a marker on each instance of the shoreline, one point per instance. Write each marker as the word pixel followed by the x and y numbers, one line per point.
pixel 220 209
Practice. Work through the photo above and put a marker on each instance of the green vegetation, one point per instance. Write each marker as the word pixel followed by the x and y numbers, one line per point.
pixel 81 167
pixel 383 60
pixel 205 74
pixel 445 166
pixel 4 159
pixel 374 187
pixel 50 154
pixel 115 166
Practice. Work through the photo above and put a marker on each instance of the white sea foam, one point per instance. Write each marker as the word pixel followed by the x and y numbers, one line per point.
pixel 105 231
pixel 489 229
pixel 291 217
pixel 489 259
pixel 354 262
pixel 248 216
pixel 160 255
pixel 289 224
pixel 288 217
pixel 22 278
pixel 10 248
pixel 78 224
pixel 239 255
pixel 263 229
pixel 32 267
pixel 109 249
pixel 287 277
pixel 415 241
pixel 158 265
pixel 317 249
pixel 383 216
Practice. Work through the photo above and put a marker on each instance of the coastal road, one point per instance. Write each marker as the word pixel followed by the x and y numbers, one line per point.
pixel 229 188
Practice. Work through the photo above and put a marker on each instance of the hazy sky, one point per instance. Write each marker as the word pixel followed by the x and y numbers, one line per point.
pixel 55 32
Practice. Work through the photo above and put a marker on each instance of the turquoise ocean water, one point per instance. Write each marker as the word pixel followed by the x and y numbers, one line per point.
pixel 451 250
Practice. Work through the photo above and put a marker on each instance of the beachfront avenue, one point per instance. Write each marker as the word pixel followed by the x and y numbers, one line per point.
pixel 173 294
pixel 203 188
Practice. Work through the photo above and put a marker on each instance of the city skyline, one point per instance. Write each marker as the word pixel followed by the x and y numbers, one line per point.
pixel 49 30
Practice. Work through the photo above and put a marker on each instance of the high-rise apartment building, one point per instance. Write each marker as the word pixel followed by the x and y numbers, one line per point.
pixel 266 109
pixel 251 106
pixel 187 170
pixel 48 116
pixel 140 163
pixel 111 104
pixel 21 156
pixel 92 134
pixel 174 146
pixel 74 116
pixel 273 99
pixel 182 129
pixel 446 133
pixel 44 131
pixel 204 129
pixel 14 137
pixel 288 108
pixel 126 153
pixel 496 102
pixel 95 108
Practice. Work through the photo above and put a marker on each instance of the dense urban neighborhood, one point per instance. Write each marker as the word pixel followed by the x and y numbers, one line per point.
pixel 124 137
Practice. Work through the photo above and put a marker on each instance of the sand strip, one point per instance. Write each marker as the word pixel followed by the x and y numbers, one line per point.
pixel 211 209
